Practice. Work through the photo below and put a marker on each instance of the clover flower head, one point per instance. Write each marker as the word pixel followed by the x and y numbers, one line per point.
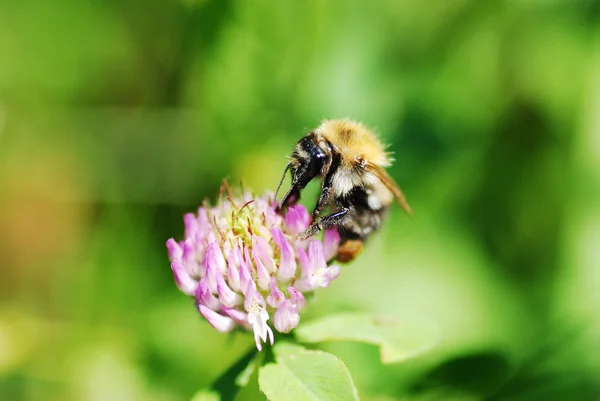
pixel 242 264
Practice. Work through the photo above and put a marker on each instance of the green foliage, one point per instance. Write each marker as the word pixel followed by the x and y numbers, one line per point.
pixel 398 339
pixel 116 117
pixel 206 395
pixel 305 375
pixel 227 386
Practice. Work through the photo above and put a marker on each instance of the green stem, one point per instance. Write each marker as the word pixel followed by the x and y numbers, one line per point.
pixel 226 384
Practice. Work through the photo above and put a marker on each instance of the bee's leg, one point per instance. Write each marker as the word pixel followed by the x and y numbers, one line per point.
pixel 323 223
pixel 324 199
pixel 291 197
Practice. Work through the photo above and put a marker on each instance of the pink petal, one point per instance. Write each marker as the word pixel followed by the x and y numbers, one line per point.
pixel 315 254
pixel 238 316
pixel 297 219
pixel 226 296
pixel 264 278
pixel 191 225
pixel 296 297
pixel 203 221
pixel 233 272
pixel 174 249
pixel 205 297
pixel 200 243
pixel 245 272
pixel 331 242
pixel 286 317
pixel 287 265
pixel 219 322
pixel 304 284
pixel 186 284
pixel 214 257
pixel 188 258
pixel 261 249
pixel 305 263
pixel 210 275
pixel 276 296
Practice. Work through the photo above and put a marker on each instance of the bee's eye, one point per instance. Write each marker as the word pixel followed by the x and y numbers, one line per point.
pixel 316 164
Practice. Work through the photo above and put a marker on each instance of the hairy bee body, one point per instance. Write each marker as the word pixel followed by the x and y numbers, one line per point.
pixel 351 162
pixel 362 220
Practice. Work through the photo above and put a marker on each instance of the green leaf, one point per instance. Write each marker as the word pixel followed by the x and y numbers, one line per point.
pixel 301 374
pixel 206 395
pixel 244 376
pixel 398 340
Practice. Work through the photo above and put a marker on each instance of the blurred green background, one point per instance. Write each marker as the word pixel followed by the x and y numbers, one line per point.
pixel 116 117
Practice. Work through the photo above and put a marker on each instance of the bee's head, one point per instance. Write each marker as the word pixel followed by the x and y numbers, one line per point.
pixel 309 159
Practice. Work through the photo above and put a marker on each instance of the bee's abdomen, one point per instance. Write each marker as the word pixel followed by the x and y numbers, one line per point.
pixel 363 218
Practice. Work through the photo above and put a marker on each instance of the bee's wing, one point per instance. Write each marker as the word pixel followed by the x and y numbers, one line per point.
pixel 390 184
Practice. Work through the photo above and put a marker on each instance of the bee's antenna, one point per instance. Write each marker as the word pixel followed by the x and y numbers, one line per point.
pixel 282 178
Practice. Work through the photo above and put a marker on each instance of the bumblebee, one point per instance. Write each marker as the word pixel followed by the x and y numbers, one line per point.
pixel 356 189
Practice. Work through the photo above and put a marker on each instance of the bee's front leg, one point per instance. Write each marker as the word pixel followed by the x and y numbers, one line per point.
pixel 324 200
pixel 323 223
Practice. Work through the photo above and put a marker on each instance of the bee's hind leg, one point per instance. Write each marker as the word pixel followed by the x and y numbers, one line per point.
pixel 323 223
